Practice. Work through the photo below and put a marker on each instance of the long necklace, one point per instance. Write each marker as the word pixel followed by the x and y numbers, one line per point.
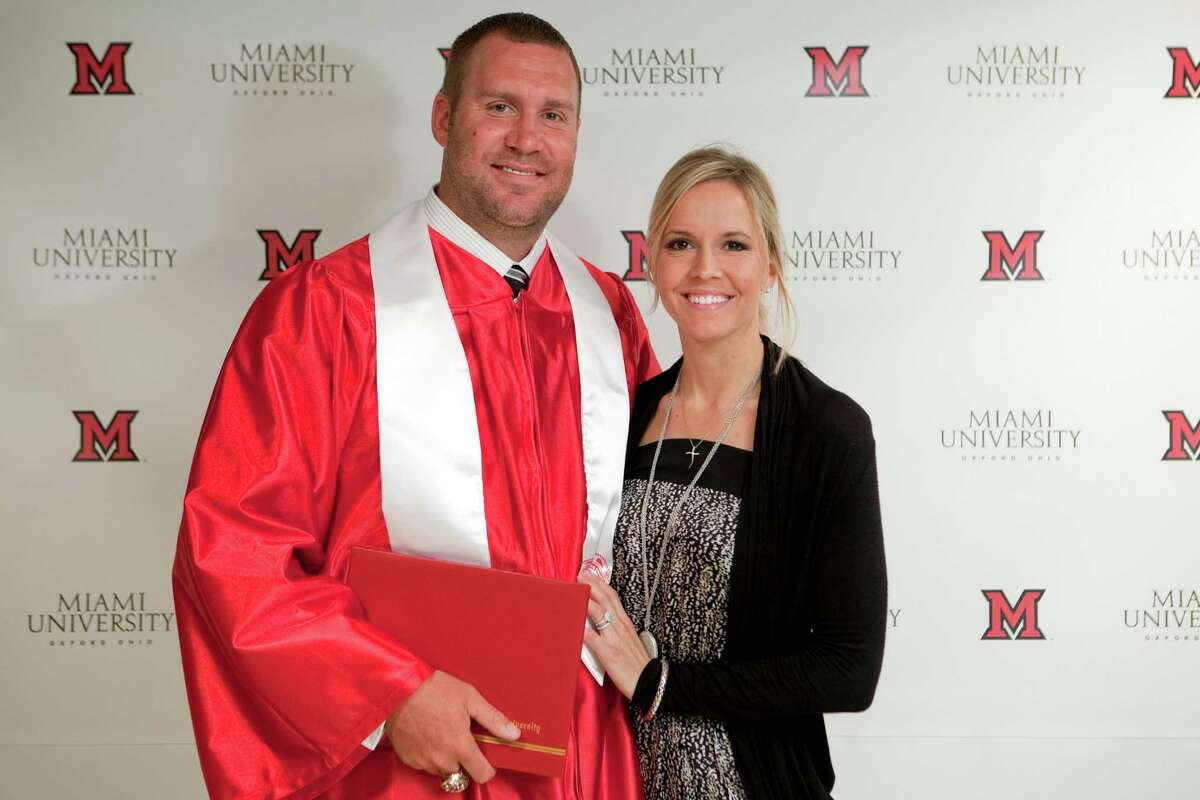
pixel 651 589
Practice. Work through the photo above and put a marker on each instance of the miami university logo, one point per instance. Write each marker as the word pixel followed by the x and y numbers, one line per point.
pixel 1185 438
pixel 104 442
pixel 1006 621
pixel 639 255
pixel 1185 75
pixel 100 75
pixel 1012 262
pixel 841 78
pixel 281 255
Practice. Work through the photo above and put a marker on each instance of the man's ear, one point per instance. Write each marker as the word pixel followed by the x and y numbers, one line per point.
pixel 439 121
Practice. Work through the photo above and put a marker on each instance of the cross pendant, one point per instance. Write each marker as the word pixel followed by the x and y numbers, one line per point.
pixel 693 453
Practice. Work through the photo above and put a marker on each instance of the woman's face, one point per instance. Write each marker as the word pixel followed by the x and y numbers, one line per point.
pixel 711 267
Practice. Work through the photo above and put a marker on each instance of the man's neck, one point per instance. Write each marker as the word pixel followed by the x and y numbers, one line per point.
pixel 513 242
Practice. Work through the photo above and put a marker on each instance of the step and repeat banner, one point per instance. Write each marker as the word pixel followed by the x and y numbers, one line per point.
pixel 992 237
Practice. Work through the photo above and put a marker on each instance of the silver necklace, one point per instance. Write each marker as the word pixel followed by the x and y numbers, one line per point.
pixel 651 589
pixel 692 443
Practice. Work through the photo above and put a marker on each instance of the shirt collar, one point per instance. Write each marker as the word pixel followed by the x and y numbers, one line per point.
pixel 450 225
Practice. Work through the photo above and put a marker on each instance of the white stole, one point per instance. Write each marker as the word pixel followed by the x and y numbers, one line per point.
pixel 429 454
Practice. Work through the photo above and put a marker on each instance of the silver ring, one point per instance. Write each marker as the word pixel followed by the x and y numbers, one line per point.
pixel 604 622
pixel 456 782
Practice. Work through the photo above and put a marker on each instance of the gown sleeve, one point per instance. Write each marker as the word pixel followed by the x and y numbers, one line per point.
pixel 645 363
pixel 839 667
pixel 284 676
pixel 640 362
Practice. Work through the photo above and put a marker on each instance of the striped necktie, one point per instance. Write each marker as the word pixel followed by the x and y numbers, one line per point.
pixel 517 278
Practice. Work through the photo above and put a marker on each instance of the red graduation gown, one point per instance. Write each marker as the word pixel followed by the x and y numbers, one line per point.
pixel 284 676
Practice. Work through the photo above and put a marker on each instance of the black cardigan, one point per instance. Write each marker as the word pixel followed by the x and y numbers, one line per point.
pixel 807 591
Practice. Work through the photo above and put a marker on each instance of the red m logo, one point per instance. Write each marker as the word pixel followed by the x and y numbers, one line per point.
pixel 104 442
pixel 281 255
pixel 1012 263
pixel 639 255
pixel 91 75
pixel 1185 438
pixel 1021 620
pixel 1185 79
pixel 841 78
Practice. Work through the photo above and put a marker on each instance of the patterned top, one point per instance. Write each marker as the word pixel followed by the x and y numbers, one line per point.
pixel 684 757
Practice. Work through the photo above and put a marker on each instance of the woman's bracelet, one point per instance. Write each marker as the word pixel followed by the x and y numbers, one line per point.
pixel 658 693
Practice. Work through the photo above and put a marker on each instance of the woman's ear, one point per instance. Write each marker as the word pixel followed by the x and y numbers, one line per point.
pixel 772 277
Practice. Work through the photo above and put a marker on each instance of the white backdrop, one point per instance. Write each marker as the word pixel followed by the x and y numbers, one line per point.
pixel 190 167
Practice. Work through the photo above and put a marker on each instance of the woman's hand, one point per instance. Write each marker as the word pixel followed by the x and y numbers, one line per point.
pixel 616 645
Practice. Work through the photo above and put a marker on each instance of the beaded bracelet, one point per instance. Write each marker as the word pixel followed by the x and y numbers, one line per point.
pixel 658 693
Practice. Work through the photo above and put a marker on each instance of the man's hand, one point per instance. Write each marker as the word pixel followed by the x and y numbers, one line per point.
pixel 431 731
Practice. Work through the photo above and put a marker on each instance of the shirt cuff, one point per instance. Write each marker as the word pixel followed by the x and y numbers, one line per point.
pixel 647 685
pixel 372 741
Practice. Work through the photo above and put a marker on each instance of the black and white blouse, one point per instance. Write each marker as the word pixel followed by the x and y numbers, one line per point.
pixel 682 756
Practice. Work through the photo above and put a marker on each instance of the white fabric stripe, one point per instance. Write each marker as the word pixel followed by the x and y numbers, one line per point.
pixel 429 456
pixel 429 452
pixel 452 226
pixel 604 405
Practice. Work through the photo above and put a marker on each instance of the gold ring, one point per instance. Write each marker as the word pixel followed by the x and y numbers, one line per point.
pixel 456 782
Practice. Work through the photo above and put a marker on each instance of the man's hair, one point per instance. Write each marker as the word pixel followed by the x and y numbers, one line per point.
pixel 514 26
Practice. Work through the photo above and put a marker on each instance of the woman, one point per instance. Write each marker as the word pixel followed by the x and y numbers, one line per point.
pixel 748 552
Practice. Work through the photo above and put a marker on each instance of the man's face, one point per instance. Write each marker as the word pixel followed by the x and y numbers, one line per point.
pixel 510 137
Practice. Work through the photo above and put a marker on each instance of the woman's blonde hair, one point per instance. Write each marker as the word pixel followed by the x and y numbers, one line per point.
pixel 721 163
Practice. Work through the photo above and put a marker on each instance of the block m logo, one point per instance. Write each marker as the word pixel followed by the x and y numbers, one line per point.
pixel 1006 262
pixel 639 255
pixel 281 255
pixel 1185 438
pixel 1185 74
pixel 841 78
pixel 1006 621
pixel 100 76
pixel 104 442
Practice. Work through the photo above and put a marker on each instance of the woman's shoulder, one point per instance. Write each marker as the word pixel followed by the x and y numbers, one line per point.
pixel 651 390
pixel 661 383
pixel 829 412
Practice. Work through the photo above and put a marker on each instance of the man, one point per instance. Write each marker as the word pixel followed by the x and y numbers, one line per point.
pixel 455 385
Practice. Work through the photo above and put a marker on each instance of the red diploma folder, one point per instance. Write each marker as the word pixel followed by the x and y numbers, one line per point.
pixel 516 638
